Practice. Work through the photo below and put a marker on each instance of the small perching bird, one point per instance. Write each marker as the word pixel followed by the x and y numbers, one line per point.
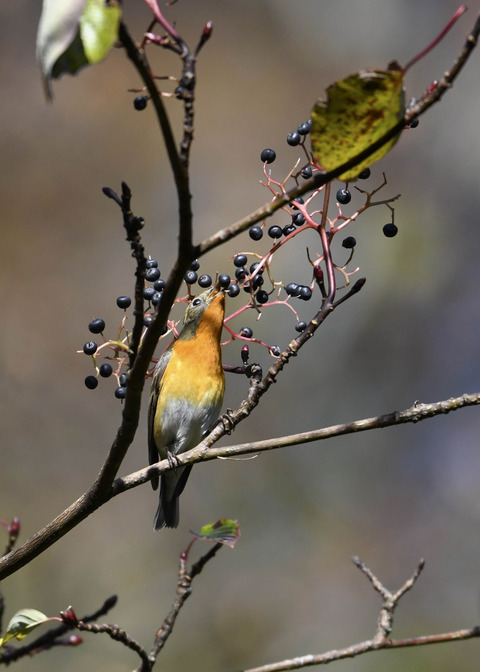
pixel 186 397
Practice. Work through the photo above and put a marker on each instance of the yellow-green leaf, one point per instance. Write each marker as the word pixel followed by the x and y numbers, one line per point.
pixel 23 622
pixel 99 25
pixel 358 111
pixel 224 531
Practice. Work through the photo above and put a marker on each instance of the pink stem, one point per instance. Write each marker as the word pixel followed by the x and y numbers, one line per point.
pixel 461 10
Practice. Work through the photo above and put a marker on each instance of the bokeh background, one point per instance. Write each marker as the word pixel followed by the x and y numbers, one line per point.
pixel 390 496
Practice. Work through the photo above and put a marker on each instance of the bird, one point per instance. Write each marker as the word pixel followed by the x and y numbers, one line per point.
pixel 186 396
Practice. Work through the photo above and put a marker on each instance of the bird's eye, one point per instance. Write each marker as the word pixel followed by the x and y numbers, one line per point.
pixel 196 302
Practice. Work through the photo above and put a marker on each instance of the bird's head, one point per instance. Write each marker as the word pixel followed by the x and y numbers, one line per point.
pixel 207 308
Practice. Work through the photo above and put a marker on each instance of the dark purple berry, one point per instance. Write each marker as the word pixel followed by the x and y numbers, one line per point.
pixel 275 231
pixel 258 281
pixel 224 280
pixel 261 296
pixel 275 350
pixel 365 174
pixel 121 392
pixel 305 128
pixel 195 265
pixel 233 290
pixel 414 123
pixel 307 172
pixel 147 320
pixel 349 242
pixel 91 382
pixel 343 196
pixel 124 302
pixel 152 274
pixel 300 326
pixel 156 298
pixel 190 277
pixel 151 263
pixel 204 280
pixel 241 273
pixel 90 348
pixel 246 332
pixel 256 232
pixel 254 266
pixel 240 260
pixel 268 156
pixel 305 293
pixel 288 229
pixel 293 204
pixel 298 219
pixel 122 379
pixel 140 103
pixel 148 293
pixel 159 285
pixel 106 370
pixel 390 230
pixel 96 326
pixel 293 289
pixel 294 139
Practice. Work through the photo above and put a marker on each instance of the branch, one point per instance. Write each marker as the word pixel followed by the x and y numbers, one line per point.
pixel 413 112
pixel 384 627
pixel 203 452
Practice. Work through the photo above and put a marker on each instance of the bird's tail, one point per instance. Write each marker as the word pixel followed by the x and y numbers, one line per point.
pixel 171 487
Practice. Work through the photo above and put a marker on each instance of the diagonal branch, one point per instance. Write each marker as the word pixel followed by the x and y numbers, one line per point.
pixel 420 107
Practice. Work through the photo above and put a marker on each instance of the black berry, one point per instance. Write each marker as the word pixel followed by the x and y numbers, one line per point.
pixel 305 128
pixel 305 293
pixel 275 350
pixel 299 199
pixel 343 196
pixel 256 232
pixel 105 370
pixel 121 392
pixel 147 320
pixel 390 230
pixel 233 290
pixel 365 174
pixel 195 265
pixel 91 382
pixel 122 379
pixel 414 123
pixel 261 296
pixel 268 156
pixel 90 348
pixel 246 332
pixel 288 229
pixel 298 219
pixel 156 298
pixel 159 285
pixel 152 274
pixel 307 172
pixel 254 266
pixel 293 289
pixel 300 326
pixel 293 139
pixel 148 293
pixel 96 326
pixel 241 273
pixel 204 280
pixel 124 302
pixel 190 277
pixel 240 260
pixel 349 242
pixel 224 280
pixel 275 231
pixel 151 263
pixel 140 103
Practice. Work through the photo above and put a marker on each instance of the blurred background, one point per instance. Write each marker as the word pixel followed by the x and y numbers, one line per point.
pixel 392 496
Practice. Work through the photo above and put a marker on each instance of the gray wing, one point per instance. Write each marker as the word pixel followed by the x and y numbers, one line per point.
pixel 152 405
